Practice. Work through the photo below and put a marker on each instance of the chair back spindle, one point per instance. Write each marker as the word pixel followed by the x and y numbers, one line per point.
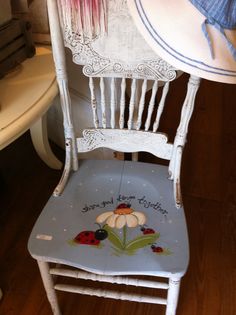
pixel 151 105
pixel 161 106
pixel 103 103
pixel 141 104
pixel 132 103
pixel 93 102
pixel 122 103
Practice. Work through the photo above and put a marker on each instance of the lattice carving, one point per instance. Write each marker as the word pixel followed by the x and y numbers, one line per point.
pixel 100 60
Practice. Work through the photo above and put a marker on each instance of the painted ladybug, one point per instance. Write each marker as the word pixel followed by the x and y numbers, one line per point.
pixel 123 205
pixel 157 249
pixel 87 238
pixel 147 230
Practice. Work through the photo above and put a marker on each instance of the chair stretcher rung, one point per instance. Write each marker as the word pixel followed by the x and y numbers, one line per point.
pixel 111 279
pixel 110 294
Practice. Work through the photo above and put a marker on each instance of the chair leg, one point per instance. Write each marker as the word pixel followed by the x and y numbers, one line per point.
pixel 49 287
pixel 172 296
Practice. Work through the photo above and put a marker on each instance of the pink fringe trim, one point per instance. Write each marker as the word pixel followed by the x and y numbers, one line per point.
pixel 86 17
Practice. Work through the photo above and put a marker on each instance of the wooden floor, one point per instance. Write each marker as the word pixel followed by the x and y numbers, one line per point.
pixel 209 186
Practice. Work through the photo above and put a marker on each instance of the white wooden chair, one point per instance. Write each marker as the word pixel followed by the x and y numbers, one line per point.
pixel 116 219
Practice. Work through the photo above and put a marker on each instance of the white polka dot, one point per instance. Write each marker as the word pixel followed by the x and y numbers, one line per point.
pixel 144 185
pixel 65 230
pixel 128 182
pixel 53 219
pixel 96 189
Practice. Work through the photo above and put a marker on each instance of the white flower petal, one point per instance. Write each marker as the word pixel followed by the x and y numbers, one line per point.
pixel 102 217
pixel 120 221
pixel 132 220
pixel 111 221
pixel 140 216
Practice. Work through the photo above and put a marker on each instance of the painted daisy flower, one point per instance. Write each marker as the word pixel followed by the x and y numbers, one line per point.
pixel 123 215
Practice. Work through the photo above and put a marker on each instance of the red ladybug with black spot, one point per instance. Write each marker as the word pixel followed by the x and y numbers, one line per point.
pixel 157 249
pixel 147 230
pixel 91 237
pixel 86 238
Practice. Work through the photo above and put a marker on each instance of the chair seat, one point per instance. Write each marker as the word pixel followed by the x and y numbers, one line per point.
pixel 66 231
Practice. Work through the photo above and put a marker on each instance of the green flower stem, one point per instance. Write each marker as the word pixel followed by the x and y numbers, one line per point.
pixel 124 235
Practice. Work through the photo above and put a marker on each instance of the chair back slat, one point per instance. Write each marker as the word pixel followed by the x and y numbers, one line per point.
pixel 132 103
pixel 122 103
pixel 113 102
pixel 93 102
pixel 161 106
pixel 141 104
pixel 103 103
pixel 151 105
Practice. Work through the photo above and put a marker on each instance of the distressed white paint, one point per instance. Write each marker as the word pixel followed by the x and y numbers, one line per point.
pixel 103 102
pixel 141 104
pixel 122 103
pixel 60 65
pixel 102 65
pixel 131 104
pixel 49 287
pixel 151 105
pixel 113 103
pixel 181 135
pixel 93 103
pixel 126 141
pixel 111 294
pixel 161 106
pixel 172 296
pixel 67 168
pixel 109 279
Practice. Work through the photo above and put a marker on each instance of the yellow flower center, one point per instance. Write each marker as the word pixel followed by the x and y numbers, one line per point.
pixel 123 211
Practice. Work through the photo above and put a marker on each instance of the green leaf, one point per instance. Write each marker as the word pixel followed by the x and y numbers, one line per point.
pixel 72 242
pixel 142 241
pixel 113 237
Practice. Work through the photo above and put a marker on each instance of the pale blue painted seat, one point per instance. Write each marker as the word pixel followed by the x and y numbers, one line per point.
pixel 157 248
pixel 98 187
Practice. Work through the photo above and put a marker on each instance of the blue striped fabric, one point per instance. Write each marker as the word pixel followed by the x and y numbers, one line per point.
pixel 222 15
pixel 222 12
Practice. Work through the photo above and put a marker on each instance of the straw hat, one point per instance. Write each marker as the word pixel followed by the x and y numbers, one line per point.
pixel 196 36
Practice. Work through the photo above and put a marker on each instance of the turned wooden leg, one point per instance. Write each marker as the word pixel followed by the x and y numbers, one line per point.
pixel 49 287
pixel 172 296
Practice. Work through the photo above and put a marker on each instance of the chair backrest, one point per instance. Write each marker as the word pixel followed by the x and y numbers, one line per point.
pixel 120 64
